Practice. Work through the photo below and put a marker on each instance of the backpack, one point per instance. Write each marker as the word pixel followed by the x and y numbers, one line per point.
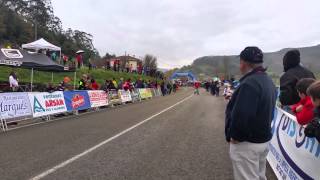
pixel 313 129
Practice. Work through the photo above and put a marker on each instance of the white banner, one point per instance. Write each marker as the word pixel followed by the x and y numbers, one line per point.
pixel 125 96
pixel 292 155
pixel 98 98
pixel 44 104
pixel 14 105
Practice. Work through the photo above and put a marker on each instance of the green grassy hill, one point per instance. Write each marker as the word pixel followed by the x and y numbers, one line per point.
pixel 216 65
pixel 40 77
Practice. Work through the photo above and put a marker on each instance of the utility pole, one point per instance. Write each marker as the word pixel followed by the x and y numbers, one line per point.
pixel 35 31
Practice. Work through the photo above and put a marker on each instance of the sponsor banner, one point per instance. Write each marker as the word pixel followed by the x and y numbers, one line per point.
pixel 44 104
pixel 292 155
pixel 77 100
pixel 125 96
pixel 145 93
pixel 153 92
pixel 159 92
pixel 14 105
pixel 98 98
pixel 149 93
pixel 12 53
pixel 114 97
pixel 135 95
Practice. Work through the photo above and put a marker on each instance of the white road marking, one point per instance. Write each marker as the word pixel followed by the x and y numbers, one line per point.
pixel 74 158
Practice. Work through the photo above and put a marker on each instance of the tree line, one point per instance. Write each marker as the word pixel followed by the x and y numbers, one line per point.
pixel 23 21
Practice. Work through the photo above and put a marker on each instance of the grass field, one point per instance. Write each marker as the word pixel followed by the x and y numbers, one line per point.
pixel 41 77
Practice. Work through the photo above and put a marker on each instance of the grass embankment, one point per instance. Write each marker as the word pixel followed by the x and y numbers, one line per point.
pixel 41 77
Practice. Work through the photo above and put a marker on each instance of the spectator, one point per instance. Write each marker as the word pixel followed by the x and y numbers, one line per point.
pixel 120 84
pixel 304 108
pixel 207 85
pixel 169 87
pixel 108 65
pixel 115 84
pixel 163 89
pixel 79 60
pixel 313 128
pixel 139 84
pixel 175 87
pixel 111 86
pixel 90 65
pixel 227 93
pixel 217 88
pixel 248 117
pixel 196 87
pixel 13 81
pixel 104 87
pixel 50 88
pixel 213 88
pixel 65 59
pixel 126 85
pixel 94 85
pixel 54 56
pixel 83 82
pixel 62 86
pixel 293 73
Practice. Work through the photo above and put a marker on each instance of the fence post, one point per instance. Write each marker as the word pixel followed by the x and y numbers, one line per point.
pixel 2 125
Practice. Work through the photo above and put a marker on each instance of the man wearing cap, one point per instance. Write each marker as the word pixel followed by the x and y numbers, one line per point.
pixel 248 117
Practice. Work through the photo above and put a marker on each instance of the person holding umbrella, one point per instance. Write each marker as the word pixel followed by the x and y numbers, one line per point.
pixel 79 58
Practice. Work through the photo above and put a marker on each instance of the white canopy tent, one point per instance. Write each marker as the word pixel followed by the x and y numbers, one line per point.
pixel 39 45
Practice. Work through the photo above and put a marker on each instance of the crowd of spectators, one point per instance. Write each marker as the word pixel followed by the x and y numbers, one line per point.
pixel 300 93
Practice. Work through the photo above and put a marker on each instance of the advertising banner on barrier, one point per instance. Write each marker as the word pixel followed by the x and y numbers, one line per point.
pixel 149 93
pixel 77 100
pixel 114 97
pixel 145 93
pixel 292 155
pixel 44 104
pixel 14 105
pixel 125 96
pixel 159 92
pixel 98 98
pixel 135 95
pixel 153 92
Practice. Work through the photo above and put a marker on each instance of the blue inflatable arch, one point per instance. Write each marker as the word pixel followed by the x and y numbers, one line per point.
pixel 190 75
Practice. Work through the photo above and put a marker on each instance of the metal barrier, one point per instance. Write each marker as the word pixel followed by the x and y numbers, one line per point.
pixel 292 155
pixel 44 105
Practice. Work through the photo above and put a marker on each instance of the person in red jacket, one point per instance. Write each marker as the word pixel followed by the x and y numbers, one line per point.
pixel 196 87
pixel 304 109
pixel 94 85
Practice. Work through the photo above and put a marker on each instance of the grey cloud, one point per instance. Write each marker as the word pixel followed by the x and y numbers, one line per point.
pixel 179 31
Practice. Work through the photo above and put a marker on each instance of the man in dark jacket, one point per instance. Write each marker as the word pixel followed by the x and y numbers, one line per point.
pixel 248 117
pixel 293 73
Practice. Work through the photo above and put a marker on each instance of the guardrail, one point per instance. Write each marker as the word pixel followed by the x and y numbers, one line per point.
pixel 16 107
pixel 292 155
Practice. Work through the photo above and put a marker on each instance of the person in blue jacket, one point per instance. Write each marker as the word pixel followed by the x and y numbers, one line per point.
pixel 248 117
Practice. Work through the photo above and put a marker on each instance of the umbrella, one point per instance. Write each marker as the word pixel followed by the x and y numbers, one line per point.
pixel 79 52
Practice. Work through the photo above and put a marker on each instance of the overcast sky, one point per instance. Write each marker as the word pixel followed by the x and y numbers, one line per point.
pixel 179 31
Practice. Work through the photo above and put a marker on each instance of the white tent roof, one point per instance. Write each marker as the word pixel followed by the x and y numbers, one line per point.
pixel 41 44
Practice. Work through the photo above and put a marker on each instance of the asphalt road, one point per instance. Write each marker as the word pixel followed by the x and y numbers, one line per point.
pixel 177 137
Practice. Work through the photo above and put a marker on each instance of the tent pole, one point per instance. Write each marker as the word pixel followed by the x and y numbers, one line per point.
pixel 31 79
pixel 61 60
pixel 74 80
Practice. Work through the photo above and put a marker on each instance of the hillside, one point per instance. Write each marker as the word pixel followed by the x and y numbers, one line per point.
pixel 43 78
pixel 216 65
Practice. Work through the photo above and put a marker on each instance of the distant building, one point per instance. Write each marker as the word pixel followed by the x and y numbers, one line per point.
pixel 126 62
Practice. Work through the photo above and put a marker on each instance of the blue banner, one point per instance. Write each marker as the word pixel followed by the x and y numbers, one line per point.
pixel 77 100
